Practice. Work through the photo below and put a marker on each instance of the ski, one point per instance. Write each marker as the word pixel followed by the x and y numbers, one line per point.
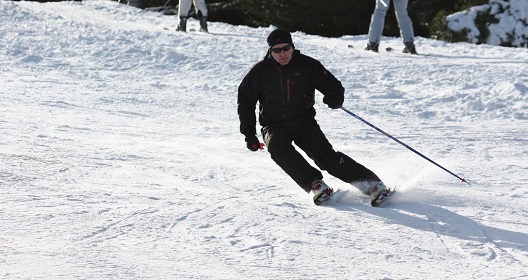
pixel 382 197
pixel 190 31
pixel 322 200
pixel 392 50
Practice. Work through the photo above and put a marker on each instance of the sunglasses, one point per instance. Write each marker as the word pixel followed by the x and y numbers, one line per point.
pixel 279 50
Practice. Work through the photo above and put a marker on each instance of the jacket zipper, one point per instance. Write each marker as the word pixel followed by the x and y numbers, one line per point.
pixel 288 82
pixel 282 91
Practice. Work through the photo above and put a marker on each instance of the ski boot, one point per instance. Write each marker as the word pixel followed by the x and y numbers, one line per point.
pixel 377 199
pixel 377 191
pixel 203 25
pixel 372 47
pixel 321 192
pixel 409 48
pixel 183 24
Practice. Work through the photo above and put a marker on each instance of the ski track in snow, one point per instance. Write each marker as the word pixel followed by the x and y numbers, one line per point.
pixel 120 156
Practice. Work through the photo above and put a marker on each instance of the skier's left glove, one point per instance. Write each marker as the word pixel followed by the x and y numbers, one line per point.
pixel 252 143
pixel 333 100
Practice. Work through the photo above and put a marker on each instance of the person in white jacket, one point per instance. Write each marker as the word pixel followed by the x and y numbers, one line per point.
pixel 184 8
pixel 378 22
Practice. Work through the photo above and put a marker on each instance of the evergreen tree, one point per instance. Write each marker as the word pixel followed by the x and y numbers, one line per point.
pixel 335 18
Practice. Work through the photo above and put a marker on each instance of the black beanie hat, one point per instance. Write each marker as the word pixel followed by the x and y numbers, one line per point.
pixel 279 36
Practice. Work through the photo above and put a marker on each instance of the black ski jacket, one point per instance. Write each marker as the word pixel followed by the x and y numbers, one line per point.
pixel 284 92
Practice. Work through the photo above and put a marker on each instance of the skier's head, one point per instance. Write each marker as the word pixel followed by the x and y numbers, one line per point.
pixel 278 36
pixel 281 46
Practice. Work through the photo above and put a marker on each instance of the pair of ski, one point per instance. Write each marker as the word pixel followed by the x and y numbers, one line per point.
pixel 382 197
pixel 393 51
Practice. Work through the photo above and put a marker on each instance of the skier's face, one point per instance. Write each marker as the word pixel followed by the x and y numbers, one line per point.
pixel 282 53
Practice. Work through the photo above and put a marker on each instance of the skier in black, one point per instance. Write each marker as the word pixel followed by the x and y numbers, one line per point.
pixel 284 85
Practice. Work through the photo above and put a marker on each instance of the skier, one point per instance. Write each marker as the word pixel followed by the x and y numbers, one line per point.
pixel 184 8
pixel 284 85
pixel 378 21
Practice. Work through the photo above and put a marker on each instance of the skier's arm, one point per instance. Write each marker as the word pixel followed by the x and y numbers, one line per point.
pixel 329 86
pixel 247 100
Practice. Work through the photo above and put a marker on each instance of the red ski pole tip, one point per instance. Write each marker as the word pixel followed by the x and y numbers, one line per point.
pixel 464 181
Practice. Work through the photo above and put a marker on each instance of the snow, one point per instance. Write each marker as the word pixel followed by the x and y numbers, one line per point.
pixel 510 26
pixel 120 155
pixel 465 20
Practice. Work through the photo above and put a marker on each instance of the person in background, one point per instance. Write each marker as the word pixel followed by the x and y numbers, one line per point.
pixel 284 85
pixel 378 22
pixel 184 8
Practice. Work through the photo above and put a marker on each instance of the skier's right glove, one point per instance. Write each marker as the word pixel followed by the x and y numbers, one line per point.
pixel 252 143
pixel 333 100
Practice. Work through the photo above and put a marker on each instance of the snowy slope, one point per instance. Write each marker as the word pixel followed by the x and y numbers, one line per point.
pixel 120 156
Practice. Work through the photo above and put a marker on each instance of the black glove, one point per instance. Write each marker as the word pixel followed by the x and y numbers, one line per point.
pixel 333 100
pixel 252 143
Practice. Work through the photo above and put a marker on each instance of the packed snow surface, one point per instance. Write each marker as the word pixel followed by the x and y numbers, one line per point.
pixel 121 157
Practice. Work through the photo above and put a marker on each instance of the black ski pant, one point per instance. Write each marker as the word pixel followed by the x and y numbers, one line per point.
pixel 307 135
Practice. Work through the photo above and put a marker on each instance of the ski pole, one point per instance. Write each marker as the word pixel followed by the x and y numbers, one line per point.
pixel 403 144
